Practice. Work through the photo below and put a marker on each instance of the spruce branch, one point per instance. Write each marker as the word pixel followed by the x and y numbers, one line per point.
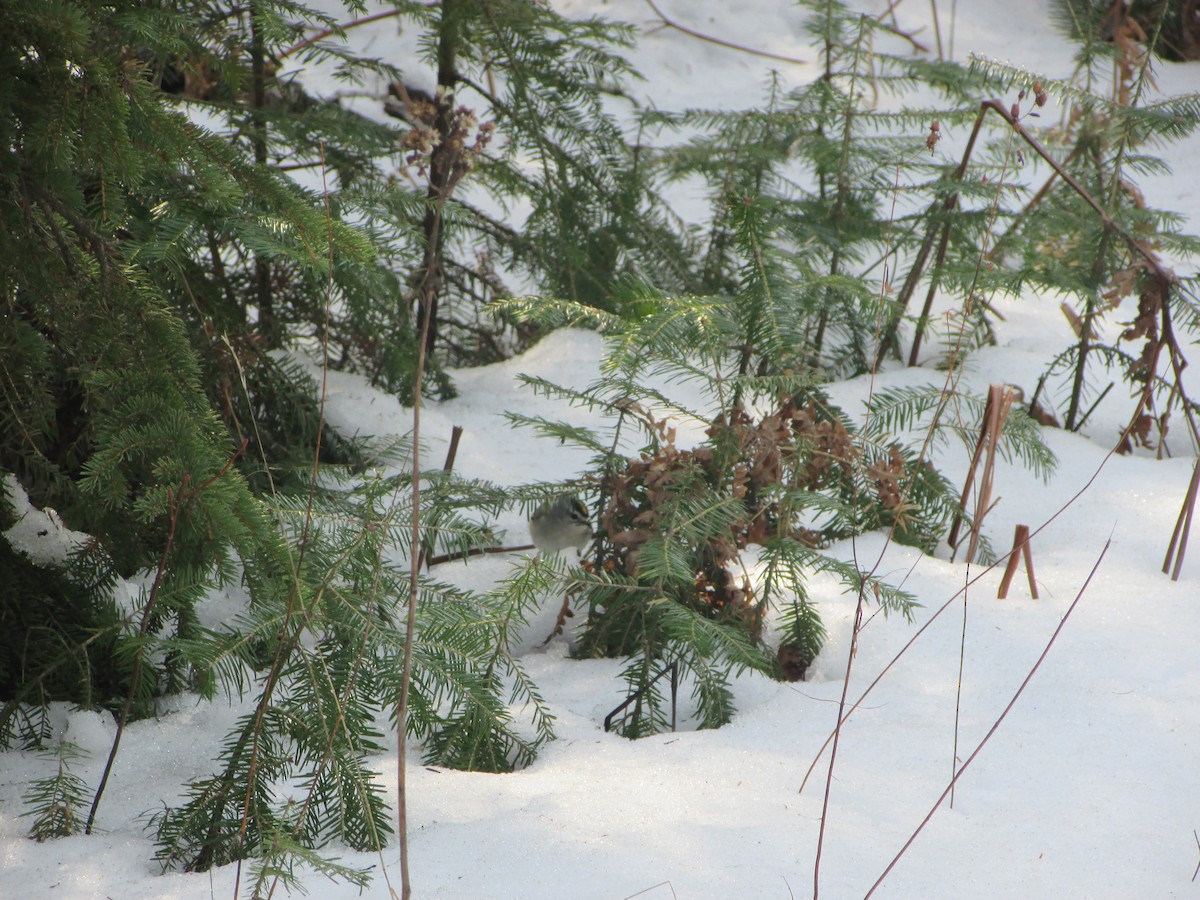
pixel 57 801
pixel 285 644
pixel 177 500
pixel 1165 280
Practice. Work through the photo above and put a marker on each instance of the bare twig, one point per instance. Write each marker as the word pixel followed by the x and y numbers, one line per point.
pixel 995 412
pixel 654 887
pixel 345 26
pixel 1087 486
pixel 837 731
pixel 894 28
pixel 1020 549
pixel 962 658
pixel 475 551
pixel 426 299
pixel 352 681
pixel 448 466
pixel 670 23
pixel 996 725
pixel 891 336
pixel 445 172
pixel 937 27
pixel 286 642
pixel 1183 526
pixel 865 578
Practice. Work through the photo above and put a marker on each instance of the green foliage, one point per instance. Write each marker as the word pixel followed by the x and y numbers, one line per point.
pixel 468 681
pixel 779 467
pixel 899 410
pixel 57 639
pixel 833 179
pixel 1102 261
pixel 57 802
pixel 333 646
pixel 585 211
pixel 129 358
pixel 151 267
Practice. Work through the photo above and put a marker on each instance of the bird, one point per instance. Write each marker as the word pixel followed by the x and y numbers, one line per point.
pixel 560 523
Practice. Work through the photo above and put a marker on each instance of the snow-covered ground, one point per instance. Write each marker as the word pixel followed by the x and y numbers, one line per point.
pixel 1088 788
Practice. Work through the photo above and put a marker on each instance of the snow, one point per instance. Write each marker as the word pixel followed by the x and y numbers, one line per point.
pixel 1088 787
pixel 38 533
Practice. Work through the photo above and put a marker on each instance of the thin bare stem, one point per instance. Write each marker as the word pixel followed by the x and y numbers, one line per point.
pixel 864 579
pixel 1183 526
pixel 426 297
pixel 996 725
pixel 962 656
pixel 413 590
pixel 178 499
pixel 891 336
pixel 345 26
pixel 952 374
pixel 941 609
pixel 953 23
pixel 424 561
pixel 937 27
pixel 670 23
pixel 858 611
pixel 894 28
pixel 943 247
pixel 352 681
pixel 475 551
pixel 286 644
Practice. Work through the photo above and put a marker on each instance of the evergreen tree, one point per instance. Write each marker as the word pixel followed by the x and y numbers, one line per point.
pixel 1088 233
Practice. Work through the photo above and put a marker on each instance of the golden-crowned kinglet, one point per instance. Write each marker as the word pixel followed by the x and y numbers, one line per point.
pixel 560 523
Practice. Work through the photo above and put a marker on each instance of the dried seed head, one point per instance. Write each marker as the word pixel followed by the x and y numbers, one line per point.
pixel 423 111
pixel 420 141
